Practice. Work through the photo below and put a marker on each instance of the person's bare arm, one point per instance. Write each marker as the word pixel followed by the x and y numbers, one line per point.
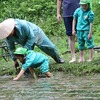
pixel 59 3
pixel 73 27
pixel 19 75
pixel 90 31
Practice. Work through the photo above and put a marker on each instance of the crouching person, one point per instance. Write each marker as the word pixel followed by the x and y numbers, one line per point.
pixel 31 60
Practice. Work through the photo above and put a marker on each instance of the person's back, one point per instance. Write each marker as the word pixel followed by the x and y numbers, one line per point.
pixel 28 35
pixel 24 31
pixel 19 23
pixel 35 58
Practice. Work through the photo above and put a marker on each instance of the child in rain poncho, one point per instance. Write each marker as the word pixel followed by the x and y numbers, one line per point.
pixel 31 60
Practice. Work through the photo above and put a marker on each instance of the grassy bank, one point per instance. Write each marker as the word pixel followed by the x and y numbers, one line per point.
pixel 40 12
pixel 73 68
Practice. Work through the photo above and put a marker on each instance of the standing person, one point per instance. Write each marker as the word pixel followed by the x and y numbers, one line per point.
pixel 31 60
pixel 69 6
pixel 84 17
pixel 28 35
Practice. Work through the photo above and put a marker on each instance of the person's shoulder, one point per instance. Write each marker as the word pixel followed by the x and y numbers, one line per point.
pixel 16 19
pixel 17 22
pixel 91 12
pixel 78 9
pixel 30 52
pixel 22 21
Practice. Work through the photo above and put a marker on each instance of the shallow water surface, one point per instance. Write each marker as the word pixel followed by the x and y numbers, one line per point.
pixel 58 87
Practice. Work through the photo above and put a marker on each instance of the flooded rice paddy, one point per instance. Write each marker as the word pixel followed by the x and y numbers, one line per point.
pixel 58 87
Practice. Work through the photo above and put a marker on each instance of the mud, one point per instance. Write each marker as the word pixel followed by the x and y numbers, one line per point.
pixel 58 87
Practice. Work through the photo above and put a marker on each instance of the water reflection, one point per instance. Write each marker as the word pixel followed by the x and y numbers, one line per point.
pixel 59 87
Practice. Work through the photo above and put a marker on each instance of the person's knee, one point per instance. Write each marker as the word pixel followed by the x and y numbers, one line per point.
pixel 90 44
pixel 81 47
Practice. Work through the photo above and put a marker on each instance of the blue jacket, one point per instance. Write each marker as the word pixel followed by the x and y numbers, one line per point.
pixel 84 18
pixel 27 34
pixel 36 59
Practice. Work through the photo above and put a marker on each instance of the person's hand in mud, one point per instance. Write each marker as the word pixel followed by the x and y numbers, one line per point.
pixel 19 75
pixel 15 79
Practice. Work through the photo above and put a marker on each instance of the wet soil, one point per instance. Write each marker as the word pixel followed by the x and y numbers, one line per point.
pixel 58 87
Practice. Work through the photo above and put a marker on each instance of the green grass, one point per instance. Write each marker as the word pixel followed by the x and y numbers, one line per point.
pixel 60 42
pixel 73 68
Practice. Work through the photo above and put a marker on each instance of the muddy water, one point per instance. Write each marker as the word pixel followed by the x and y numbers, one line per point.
pixel 59 87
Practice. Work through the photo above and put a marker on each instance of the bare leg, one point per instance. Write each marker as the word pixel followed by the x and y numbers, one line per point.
pixel 71 40
pixel 81 58
pixel 90 55
pixel 31 70
pixel 48 74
